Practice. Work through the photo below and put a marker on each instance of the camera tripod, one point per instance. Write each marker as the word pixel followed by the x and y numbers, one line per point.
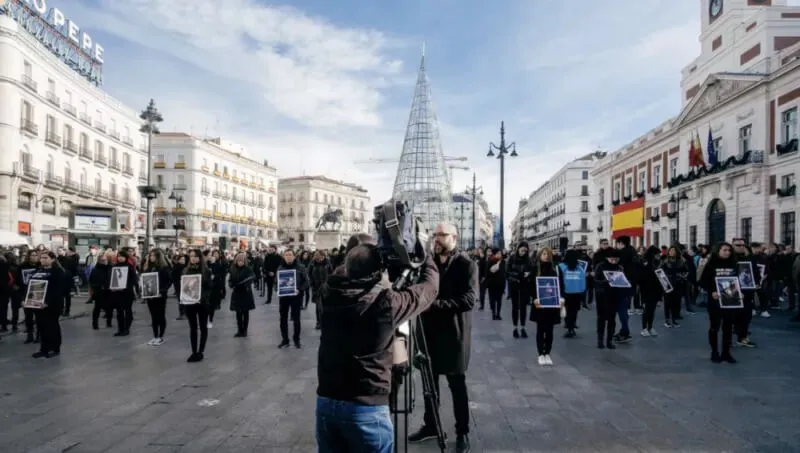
pixel 403 380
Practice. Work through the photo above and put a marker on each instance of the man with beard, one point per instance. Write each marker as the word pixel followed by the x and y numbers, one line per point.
pixel 269 267
pixel 448 330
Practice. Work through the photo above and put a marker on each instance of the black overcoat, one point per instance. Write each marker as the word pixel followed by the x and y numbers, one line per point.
pixel 448 323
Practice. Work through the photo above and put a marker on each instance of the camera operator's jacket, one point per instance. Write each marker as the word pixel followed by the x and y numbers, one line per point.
pixel 357 333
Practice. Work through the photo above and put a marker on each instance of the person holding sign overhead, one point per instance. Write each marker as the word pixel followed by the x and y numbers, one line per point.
pixel 722 263
pixel 547 303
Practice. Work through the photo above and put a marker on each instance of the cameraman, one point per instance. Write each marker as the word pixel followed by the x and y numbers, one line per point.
pixel 448 331
pixel 360 314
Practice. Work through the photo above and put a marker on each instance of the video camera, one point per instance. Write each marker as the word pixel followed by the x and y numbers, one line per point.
pixel 401 241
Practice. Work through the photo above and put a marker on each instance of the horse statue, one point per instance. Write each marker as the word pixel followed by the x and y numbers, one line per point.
pixel 331 217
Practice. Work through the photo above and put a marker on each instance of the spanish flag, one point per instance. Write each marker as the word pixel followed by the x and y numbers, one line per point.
pixel 628 219
pixel 698 150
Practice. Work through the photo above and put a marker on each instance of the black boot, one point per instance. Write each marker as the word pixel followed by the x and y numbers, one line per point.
pixel 715 356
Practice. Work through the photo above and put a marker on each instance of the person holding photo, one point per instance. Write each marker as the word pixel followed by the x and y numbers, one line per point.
pixel 197 314
pixel 677 272
pixel 651 290
pixel 722 263
pixel 743 254
pixel 124 296
pixel 607 299
pixel 156 262
pixel 292 304
pixel 47 318
pixel 545 317
pixel 28 267
pixel 242 299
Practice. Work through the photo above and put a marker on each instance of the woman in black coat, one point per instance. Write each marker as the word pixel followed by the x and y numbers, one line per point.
pixel 124 296
pixel 156 262
pixel 99 278
pixel 219 271
pixel 47 318
pixel 495 280
pixel 545 317
pixel 197 312
pixel 242 300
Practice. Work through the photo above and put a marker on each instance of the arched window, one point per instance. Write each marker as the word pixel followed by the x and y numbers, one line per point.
pixel 224 208
pixel 84 177
pixel 67 173
pixel 51 167
pixel 98 183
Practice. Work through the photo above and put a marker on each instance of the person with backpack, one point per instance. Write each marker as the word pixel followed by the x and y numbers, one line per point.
pixel 574 275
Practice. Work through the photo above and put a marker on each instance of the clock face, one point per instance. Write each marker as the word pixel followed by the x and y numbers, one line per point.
pixel 715 8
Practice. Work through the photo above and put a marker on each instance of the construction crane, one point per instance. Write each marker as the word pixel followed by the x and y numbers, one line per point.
pixel 395 161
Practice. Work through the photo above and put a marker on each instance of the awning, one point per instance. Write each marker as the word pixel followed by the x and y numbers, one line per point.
pixel 99 233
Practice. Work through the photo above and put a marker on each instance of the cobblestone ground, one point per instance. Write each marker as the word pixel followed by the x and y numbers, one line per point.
pixel 107 394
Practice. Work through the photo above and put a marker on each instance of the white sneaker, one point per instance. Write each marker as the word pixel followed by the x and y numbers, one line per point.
pixel 152 342
pixel 653 333
pixel 210 325
pixel 645 333
pixel 158 342
pixel 547 360
pixel 542 360
pixel 765 314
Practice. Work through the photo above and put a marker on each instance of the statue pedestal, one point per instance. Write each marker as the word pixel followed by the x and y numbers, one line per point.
pixel 328 239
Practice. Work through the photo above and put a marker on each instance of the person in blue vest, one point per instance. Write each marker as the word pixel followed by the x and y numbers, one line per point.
pixel 574 275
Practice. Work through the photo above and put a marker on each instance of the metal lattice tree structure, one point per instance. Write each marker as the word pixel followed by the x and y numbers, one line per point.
pixel 422 177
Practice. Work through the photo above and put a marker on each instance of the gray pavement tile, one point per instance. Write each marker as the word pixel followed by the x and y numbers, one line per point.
pixel 109 394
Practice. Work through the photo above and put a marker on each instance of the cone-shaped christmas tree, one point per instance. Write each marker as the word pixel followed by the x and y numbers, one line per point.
pixel 422 178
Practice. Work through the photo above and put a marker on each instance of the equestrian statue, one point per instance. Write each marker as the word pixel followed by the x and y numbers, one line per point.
pixel 333 217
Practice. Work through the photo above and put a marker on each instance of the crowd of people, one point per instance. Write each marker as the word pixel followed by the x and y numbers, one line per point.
pixel 358 311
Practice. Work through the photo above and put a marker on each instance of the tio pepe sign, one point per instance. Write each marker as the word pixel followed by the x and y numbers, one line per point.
pixel 61 35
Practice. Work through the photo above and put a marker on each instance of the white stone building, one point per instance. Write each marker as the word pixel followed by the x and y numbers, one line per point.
pixel 560 208
pixel 743 90
pixel 71 157
pixel 304 199
pixel 466 223
pixel 228 199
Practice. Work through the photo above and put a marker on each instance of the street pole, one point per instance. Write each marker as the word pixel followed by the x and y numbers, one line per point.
pixel 461 236
pixel 150 117
pixel 502 150
pixel 474 192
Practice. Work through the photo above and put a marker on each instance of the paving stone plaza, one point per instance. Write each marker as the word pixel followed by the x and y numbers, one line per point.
pixel 106 394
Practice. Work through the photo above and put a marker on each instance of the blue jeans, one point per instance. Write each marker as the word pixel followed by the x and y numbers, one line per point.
pixel 622 311
pixel 345 427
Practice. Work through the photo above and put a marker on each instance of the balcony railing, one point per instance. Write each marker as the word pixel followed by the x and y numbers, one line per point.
pixel 100 126
pixel 142 176
pixel 53 180
pixel 127 140
pixel 159 165
pixel 30 172
pixel 86 189
pixel 30 127
pixel 128 170
pixel 114 134
pixel 29 82
pixel 179 187
pixel 84 117
pixel 205 191
pixel 53 138
pixel 114 165
pixel 70 185
pixel 180 165
pixel 70 146
pixel 100 159
pixel 53 98
pixel 70 109
pixel 86 153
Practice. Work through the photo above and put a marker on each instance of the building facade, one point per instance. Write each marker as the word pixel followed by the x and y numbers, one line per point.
pixel 481 223
pixel 212 193
pixel 726 165
pixel 303 201
pixel 71 157
pixel 561 208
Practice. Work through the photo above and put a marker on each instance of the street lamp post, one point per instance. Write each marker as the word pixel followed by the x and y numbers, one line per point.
pixel 675 207
pixel 150 117
pixel 178 199
pixel 502 150
pixel 474 191
pixel 461 226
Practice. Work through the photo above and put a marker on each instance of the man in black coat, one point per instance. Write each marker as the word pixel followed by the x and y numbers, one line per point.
pixel 272 261
pixel 448 331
